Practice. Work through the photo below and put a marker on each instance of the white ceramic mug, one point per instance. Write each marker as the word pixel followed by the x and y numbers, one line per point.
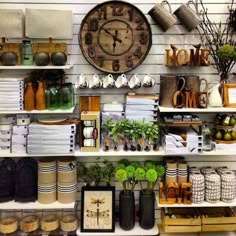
pixel 88 132
pixel 134 82
pixel 148 81
pixel 95 82
pixel 83 83
pixel 108 81
pixel 121 81
pixel 88 142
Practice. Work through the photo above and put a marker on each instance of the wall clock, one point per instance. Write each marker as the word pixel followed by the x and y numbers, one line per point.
pixel 115 37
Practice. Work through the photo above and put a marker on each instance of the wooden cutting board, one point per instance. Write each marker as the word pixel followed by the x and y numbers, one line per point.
pixel 89 103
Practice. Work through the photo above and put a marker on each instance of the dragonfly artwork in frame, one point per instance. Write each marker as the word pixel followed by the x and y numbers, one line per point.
pixel 97 209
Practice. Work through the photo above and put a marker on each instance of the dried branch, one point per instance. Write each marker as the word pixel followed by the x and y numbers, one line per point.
pixel 214 36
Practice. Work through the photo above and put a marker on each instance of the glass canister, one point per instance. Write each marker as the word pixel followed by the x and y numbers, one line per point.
pixel 53 98
pixel 66 96
pixel 26 53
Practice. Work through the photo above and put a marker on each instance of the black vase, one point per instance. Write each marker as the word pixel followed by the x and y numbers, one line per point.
pixel 146 210
pixel 127 210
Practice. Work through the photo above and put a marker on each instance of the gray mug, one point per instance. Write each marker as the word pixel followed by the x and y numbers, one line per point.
pixel 162 16
pixel 187 16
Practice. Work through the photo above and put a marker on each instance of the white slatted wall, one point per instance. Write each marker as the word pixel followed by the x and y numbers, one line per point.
pixel 154 63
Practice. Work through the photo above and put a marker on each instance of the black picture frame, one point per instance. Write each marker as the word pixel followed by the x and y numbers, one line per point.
pixel 97 209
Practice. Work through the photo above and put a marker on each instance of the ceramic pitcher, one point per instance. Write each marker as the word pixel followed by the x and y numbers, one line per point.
pixel 214 98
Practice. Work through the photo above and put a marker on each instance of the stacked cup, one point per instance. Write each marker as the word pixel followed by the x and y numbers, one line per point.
pixel 213 187
pixel 198 186
pixel 47 187
pixel 67 180
pixel 171 171
pixel 228 184
pixel 182 172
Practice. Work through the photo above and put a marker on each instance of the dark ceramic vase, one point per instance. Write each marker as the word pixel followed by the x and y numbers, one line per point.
pixel 41 58
pixel 58 58
pixel 9 58
pixel 127 211
pixel 146 210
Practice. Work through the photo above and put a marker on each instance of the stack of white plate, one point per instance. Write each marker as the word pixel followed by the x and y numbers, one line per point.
pixel 54 138
pixel 11 94
pixel 141 108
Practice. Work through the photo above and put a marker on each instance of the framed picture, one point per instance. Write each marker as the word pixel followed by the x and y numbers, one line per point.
pixel 230 95
pixel 98 209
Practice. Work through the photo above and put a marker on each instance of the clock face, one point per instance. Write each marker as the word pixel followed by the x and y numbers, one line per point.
pixel 115 37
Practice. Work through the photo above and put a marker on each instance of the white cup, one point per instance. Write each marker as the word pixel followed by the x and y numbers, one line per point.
pixel 95 82
pixel 89 123
pixel 134 82
pixel 121 81
pixel 83 83
pixel 88 132
pixel 108 81
pixel 148 81
pixel 89 142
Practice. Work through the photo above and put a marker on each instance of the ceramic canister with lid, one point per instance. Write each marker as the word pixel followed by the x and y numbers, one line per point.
pixel 47 171
pixel 67 170
pixel 66 192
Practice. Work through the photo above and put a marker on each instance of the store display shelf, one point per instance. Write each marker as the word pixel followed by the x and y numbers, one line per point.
pixel 58 111
pixel 101 153
pixel 118 153
pixel 198 110
pixel 34 67
pixel 204 204
pixel 12 205
pixel 36 155
pixel 137 230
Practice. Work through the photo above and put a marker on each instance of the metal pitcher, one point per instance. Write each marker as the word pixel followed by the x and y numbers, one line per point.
pixel 187 16
pixel 162 16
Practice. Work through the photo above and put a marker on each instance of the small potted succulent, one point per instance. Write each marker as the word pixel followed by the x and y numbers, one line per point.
pixel 125 173
pixel 149 173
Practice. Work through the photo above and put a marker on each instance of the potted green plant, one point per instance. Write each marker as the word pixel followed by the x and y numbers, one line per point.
pixel 106 132
pixel 126 127
pixel 116 134
pixel 151 135
pixel 125 174
pixel 136 135
pixel 149 173
pixel 97 173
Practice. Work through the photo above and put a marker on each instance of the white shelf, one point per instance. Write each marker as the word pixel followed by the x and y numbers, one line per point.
pixel 58 111
pixel 198 110
pixel 204 204
pixel 12 155
pixel 137 230
pixel 33 67
pixel 118 153
pixel 12 205
pixel 77 153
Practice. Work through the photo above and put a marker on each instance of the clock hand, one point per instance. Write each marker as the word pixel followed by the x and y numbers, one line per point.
pixel 114 37
pixel 114 42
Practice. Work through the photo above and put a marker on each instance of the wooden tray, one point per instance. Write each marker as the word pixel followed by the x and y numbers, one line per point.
pixel 223 141
pixel 225 127
pixel 182 223
pixel 218 219
pixel 183 123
